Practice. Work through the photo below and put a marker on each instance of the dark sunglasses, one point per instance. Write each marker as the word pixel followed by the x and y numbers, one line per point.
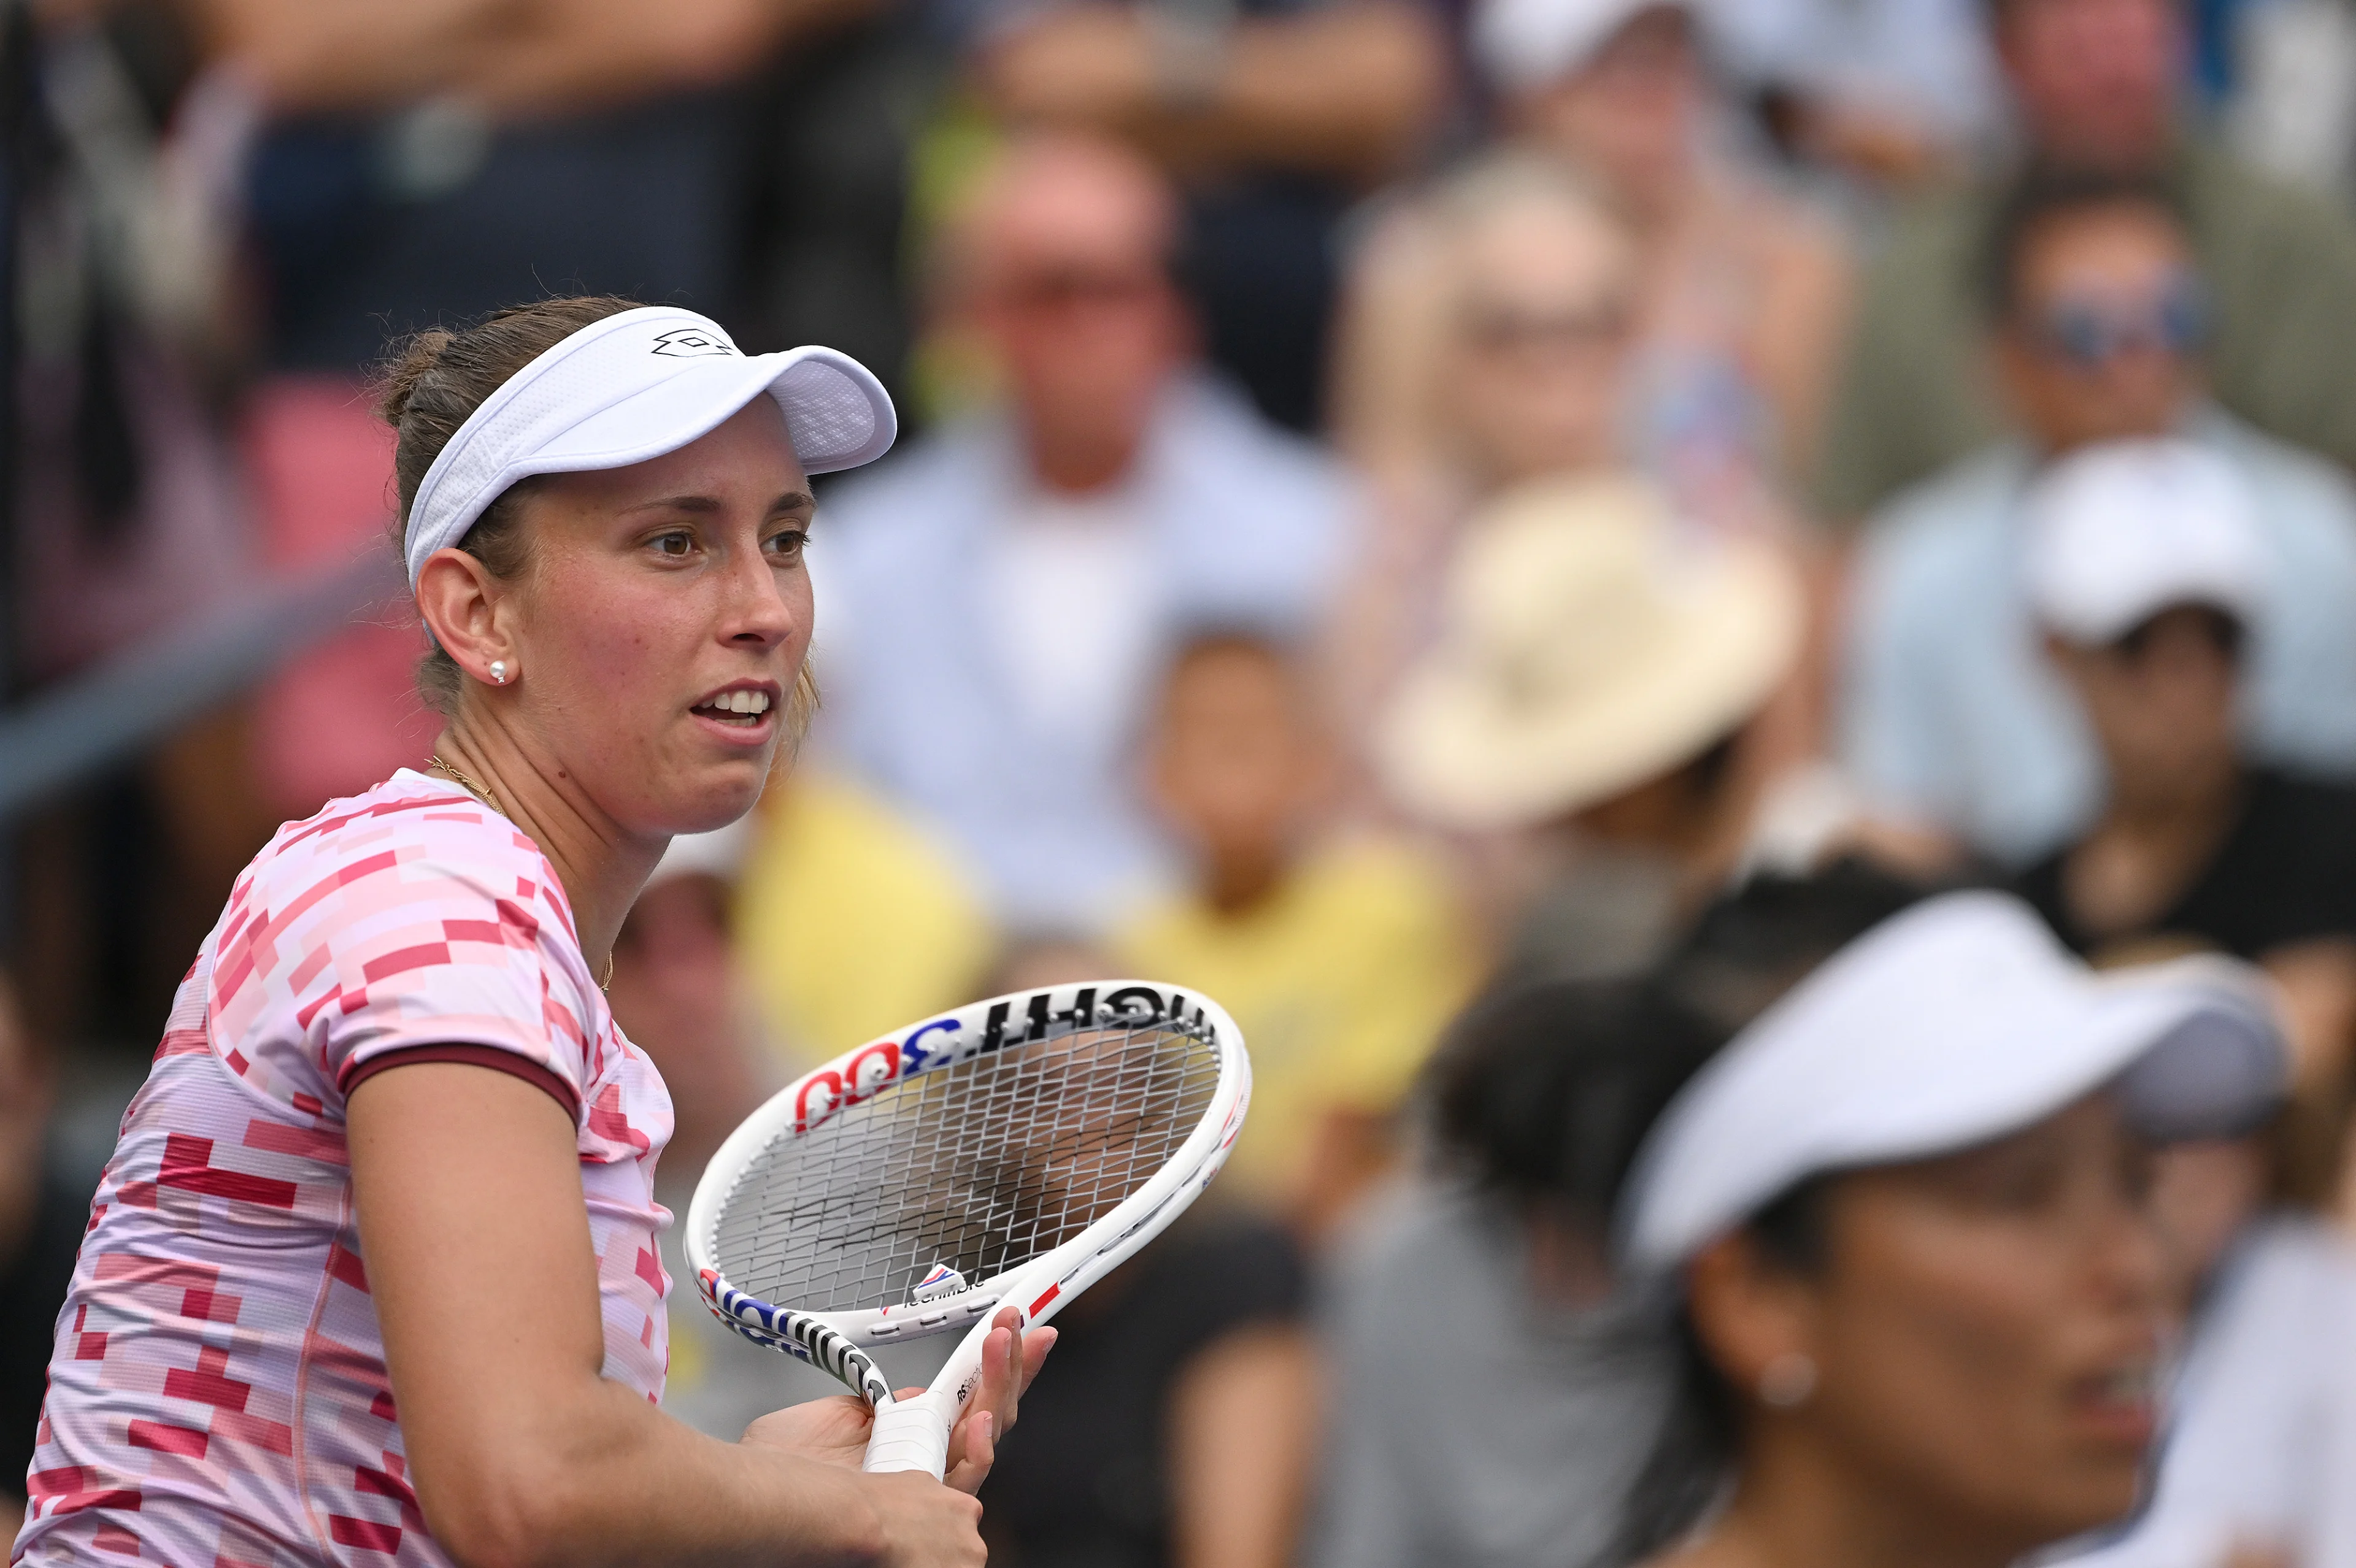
pixel 2088 335
pixel 1496 329
pixel 1066 288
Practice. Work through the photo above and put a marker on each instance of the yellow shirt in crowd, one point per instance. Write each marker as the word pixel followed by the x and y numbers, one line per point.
pixel 851 922
pixel 1341 982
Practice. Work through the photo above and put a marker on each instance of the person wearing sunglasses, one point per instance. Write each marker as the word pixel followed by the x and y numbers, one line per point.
pixel 2101 329
pixel 2095 85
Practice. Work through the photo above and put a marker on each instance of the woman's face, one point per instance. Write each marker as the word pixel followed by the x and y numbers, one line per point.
pixel 1545 314
pixel 1987 1325
pixel 660 600
pixel 1984 1329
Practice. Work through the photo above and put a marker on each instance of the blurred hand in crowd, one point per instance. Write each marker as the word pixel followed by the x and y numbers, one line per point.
pixel 1627 113
pixel 1059 269
pixel 2102 336
pixel 2094 81
pixel 521 56
pixel 1350 90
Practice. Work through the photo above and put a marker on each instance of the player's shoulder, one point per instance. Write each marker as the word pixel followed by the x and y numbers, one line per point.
pixel 410 838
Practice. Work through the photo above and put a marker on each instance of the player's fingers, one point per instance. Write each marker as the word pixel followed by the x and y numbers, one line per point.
pixel 909 1392
pixel 973 1451
pixel 1035 1346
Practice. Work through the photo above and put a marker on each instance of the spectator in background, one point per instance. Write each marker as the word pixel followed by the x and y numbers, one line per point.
pixel 1184 1440
pixel 1950 712
pixel 1339 959
pixel 1594 695
pixel 1904 1220
pixel 1273 116
pixel 2096 83
pixel 1517 1454
pixel 1531 324
pixel 2148 578
pixel 41 1222
pixel 2261 1400
pixel 851 919
pixel 1886 94
pixel 679 993
pixel 1740 293
pixel 1005 595
pixel 1521 1455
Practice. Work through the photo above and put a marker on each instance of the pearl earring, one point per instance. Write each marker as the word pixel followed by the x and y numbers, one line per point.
pixel 1788 1381
pixel 499 672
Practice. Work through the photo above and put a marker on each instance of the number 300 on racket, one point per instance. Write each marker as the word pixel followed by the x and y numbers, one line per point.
pixel 1009 1154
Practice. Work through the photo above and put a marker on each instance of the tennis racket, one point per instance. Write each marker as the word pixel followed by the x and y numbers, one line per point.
pixel 1010 1153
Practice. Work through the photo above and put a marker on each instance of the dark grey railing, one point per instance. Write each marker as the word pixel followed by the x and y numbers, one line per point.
pixel 80 725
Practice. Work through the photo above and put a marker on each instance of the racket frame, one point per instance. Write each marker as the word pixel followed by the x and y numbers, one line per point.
pixel 913 1434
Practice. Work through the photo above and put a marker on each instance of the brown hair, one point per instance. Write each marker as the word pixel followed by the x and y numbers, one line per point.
pixel 429 386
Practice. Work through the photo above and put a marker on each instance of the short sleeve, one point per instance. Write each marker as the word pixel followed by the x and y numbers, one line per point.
pixel 457 970
pixel 414 930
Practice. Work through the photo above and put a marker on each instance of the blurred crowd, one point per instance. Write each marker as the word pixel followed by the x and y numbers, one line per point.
pixel 1416 516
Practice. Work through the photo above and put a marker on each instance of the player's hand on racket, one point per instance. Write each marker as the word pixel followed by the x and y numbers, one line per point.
pixel 976 1170
pixel 1006 1372
pixel 834 1431
pixel 922 1523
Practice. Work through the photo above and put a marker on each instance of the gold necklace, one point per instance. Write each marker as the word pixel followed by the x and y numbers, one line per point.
pixel 468 783
pixel 482 791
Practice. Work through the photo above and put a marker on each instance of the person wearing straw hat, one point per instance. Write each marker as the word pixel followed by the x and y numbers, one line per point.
pixel 374 1270
pixel 1903 1220
pixel 1596 672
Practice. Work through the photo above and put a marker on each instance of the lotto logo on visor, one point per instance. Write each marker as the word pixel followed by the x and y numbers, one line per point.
pixel 633 387
pixel 688 342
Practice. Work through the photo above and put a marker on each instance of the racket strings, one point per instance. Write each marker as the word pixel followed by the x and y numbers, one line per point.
pixel 982 1165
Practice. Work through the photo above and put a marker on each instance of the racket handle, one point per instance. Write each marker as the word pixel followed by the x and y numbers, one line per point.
pixel 910 1434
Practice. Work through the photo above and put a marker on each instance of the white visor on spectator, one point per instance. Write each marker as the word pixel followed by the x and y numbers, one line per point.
pixel 632 387
pixel 1958 1021
pixel 2120 532
pixel 1523 44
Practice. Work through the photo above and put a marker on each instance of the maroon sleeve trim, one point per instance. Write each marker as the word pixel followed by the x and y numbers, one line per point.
pixel 490 1056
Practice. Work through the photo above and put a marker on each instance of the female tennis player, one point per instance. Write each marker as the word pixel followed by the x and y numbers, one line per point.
pixel 1904 1213
pixel 372 1275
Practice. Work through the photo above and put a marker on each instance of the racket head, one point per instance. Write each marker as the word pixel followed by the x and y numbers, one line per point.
pixel 1030 1142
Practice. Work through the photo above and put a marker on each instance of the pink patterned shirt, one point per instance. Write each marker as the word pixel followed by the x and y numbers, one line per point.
pixel 218 1396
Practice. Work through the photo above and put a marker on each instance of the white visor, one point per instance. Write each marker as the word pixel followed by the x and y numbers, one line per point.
pixel 1959 1021
pixel 633 387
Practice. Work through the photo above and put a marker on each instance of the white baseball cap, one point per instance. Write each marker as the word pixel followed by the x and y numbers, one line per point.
pixel 634 386
pixel 1522 45
pixel 2123 530
pixel 1958 1021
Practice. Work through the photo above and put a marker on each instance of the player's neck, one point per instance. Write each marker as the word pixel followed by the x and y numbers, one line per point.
pixel 1803 1505
pixel 601 868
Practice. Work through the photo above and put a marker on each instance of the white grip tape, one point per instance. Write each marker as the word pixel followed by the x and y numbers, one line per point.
pixel 912 1434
